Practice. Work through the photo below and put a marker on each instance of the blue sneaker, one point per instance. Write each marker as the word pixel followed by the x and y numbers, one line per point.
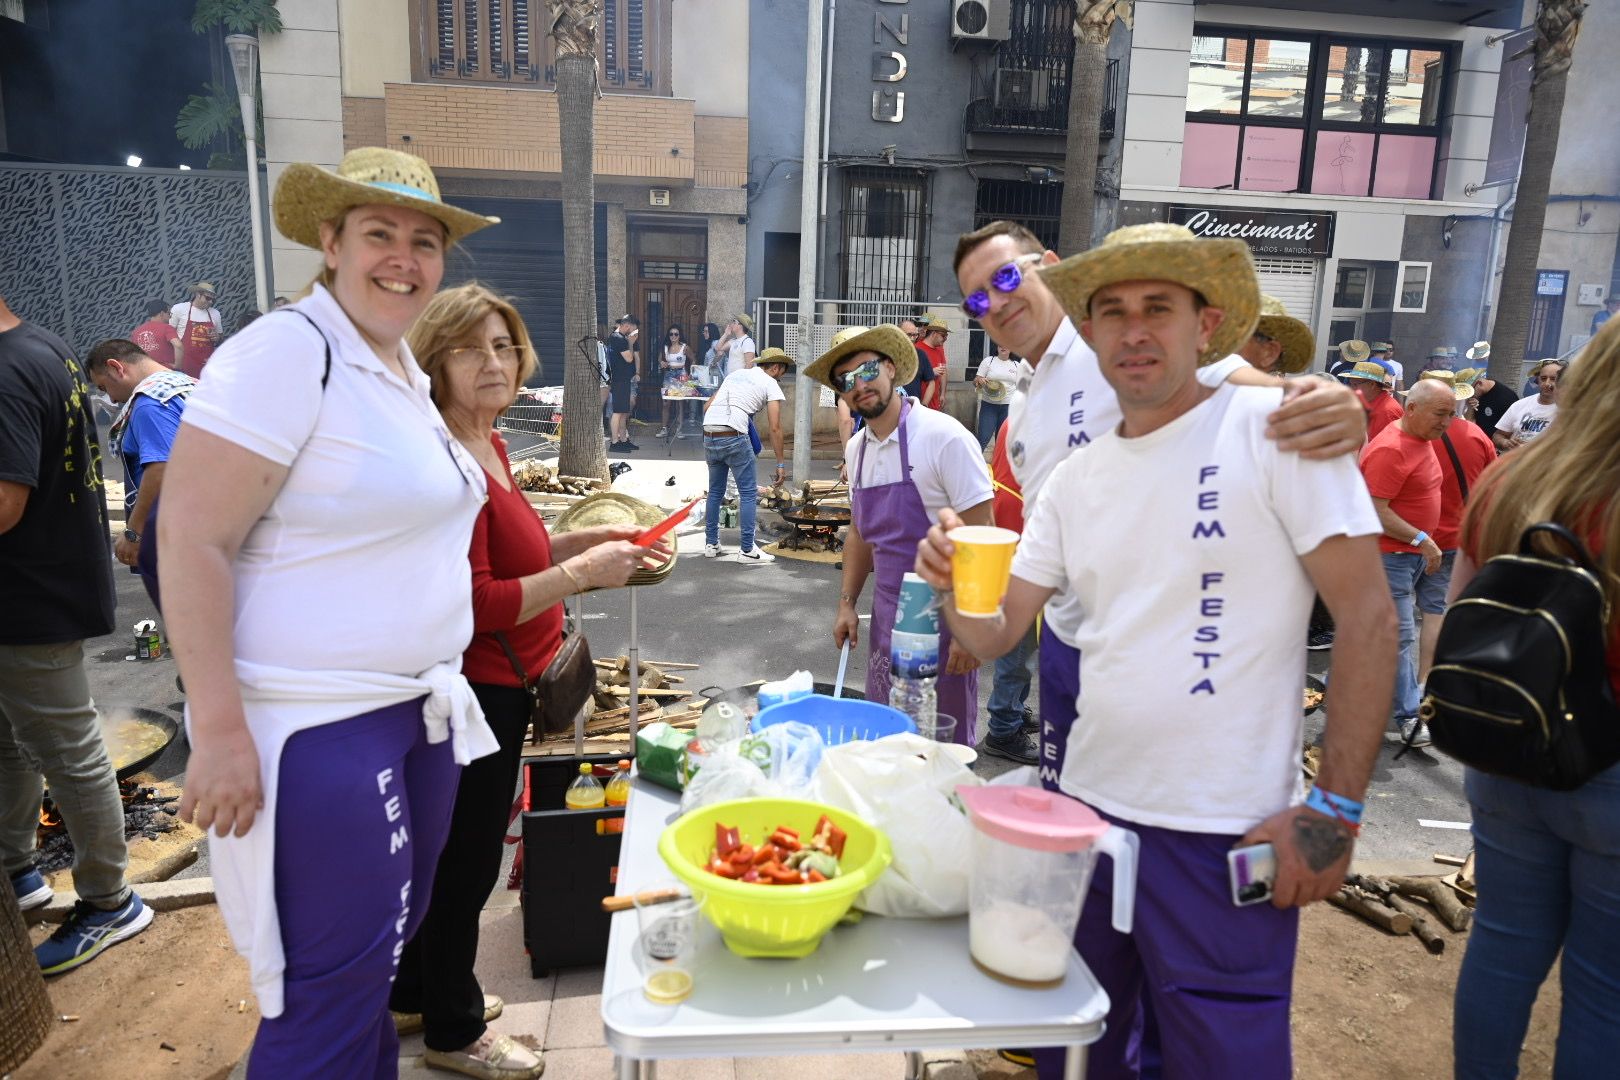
pixel 31 889
pixel 88 932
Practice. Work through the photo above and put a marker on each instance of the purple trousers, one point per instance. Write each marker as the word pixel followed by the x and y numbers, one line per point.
pixel 1060 687
pixel 1216 977
pixel 362 810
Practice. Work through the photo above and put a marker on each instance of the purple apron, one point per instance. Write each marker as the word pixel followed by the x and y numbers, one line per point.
pixel 893 520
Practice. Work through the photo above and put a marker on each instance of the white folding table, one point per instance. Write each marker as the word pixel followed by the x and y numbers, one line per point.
pixel 882 984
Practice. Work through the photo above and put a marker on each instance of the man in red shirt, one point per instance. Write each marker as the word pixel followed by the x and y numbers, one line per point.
pixel 1403 478
pixel 1012 725
pixel 1463 452
pixel 1367 380
pixel 931 350
pixel 156 337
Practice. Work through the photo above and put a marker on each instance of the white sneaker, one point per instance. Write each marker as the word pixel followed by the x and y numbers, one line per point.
pixel 757 555
pixel 1415 732
pixel 713 551
pixel 662 433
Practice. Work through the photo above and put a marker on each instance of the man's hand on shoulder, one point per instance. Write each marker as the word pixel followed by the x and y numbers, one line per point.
pixel 1319 419
pixel 1313 854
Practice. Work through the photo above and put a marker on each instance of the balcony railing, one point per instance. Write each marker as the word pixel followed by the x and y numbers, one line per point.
pixel 1034 100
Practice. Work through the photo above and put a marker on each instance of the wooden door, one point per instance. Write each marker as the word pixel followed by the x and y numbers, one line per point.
pixel 659 304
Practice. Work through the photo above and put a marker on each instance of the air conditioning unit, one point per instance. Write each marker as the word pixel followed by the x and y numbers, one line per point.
pixel 658 196
pixel 1021 89
pixel 981 20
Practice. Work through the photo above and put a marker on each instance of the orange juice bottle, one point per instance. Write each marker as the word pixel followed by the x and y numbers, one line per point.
pixel 618 788
pixel 585 793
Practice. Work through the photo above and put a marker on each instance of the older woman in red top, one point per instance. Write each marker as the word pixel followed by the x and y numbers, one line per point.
pixel 475 349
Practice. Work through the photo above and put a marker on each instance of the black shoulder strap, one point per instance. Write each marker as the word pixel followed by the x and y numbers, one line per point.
pixel 326 372
pixel 1456 465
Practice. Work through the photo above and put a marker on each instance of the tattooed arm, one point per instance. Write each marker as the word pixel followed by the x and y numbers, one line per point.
pixel 1313 850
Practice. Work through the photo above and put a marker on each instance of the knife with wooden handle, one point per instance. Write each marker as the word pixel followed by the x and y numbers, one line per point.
pixel 651 896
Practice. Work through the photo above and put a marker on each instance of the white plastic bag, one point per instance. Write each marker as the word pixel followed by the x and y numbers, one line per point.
pixel 905 785
pixel 778 762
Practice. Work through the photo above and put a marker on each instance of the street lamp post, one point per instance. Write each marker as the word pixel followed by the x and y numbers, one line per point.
pixel 244 49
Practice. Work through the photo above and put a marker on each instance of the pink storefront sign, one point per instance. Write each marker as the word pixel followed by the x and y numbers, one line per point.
pixel 1209 155
pixel 1343 163
pixel 1405 166
pixel 1270 159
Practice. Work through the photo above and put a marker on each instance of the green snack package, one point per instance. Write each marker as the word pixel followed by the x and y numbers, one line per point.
pixel 659 750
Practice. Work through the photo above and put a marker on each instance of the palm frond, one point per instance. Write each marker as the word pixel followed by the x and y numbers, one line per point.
pixel 207 117
pixel 236 16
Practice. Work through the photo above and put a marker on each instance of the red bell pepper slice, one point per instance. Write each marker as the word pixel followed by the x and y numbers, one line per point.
pixel 815 876
pixel 835 837
pixel 723 869
pixel 786 839
pixel 781 875
pixel 767 853
pixel 726 840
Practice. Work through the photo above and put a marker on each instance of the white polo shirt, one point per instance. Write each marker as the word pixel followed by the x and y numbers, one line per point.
pixel 1181 550
pixel 360 562
pixel 947 464
pixel 1060 406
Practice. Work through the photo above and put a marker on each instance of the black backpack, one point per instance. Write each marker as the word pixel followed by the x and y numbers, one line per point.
pixel 1520 683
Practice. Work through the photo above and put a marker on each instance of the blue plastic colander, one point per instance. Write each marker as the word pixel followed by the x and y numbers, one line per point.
pixel 838 720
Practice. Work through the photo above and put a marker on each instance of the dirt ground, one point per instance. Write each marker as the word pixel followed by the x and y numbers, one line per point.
pixel 1369 1006
pixel 1366 1005
pixel 179 983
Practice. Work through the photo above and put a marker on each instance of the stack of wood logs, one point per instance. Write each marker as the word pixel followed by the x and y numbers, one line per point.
pixel 658 698
pixel 1391 903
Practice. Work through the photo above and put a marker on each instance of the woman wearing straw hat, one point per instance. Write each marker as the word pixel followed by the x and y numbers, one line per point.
pixel 476 351
pixel 319 508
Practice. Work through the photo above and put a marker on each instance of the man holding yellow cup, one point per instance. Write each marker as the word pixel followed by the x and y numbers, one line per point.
pixel 1192 547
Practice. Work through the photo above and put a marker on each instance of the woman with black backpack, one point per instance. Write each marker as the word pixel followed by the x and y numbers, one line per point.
pixel 1547 843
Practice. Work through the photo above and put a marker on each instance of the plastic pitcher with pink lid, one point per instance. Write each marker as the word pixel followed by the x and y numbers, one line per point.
pixel 1033 853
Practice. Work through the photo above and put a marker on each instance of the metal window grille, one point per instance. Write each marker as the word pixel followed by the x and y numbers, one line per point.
pixel 469 35
pixel 1036 206
pixel 1024 86
pixel 610 41
pixel 885 233
pixel 636 39
pixel 520 36
pixel 497 38
pixel 672 270
pixel 446 34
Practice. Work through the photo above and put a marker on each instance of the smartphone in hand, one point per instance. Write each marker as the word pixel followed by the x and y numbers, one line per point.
pixel 1253 872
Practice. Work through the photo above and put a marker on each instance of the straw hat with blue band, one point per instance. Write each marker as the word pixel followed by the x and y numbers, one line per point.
pixel 307 195
pixel 1370 370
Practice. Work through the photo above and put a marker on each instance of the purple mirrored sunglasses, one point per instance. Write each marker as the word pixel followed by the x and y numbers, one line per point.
pixel 1006 279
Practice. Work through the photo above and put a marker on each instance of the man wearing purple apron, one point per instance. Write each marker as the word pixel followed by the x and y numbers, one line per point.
pixel 905 465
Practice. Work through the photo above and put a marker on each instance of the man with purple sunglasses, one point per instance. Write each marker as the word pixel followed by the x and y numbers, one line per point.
pixel 1061 402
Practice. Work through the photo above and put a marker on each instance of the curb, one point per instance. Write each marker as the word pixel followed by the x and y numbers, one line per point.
pixel 157 895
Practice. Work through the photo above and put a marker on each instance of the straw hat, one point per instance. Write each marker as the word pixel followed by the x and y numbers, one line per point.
pixel 1479 350
pixel 1469 375
pixel 773 355
pixel 203 287
pixel 615 508
pixel 1222 270
pixel 1381 346
pixel 747 322
pixel 307 195
pixel 885 338
pixel 1298 343
pixel 1448 352
pixel 1355 350
pixel 1367 369
pixel 929 322
pixel 1463 390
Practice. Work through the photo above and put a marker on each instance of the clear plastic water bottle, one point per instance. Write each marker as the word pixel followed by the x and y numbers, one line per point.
pixel 914 654
pixel 913 673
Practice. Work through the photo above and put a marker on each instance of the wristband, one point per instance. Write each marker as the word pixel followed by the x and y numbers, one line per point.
pixel 1417 541
pixel 1335 806
pixel 569 574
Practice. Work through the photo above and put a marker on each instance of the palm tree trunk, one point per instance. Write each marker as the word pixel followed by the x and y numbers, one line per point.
pixel 1080 148
pixel 1557 24
pixel 574 27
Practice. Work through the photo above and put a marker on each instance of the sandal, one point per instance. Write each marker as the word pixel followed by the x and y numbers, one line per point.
pixel 492 1057
pixel 409 1023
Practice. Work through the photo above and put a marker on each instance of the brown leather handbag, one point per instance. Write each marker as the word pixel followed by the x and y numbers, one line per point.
pixel 556 697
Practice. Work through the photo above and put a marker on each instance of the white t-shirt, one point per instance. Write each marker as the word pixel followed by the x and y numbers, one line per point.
pixel 675 359
pixel 1077 406
pixel 1004 372
pixel 1527 418
pixel 1180 549
pixel 947 464
pixel 178 317
pixel 740 397
pixel 735 351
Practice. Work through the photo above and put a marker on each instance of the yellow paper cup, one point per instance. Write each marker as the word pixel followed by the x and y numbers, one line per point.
pixel 981 568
